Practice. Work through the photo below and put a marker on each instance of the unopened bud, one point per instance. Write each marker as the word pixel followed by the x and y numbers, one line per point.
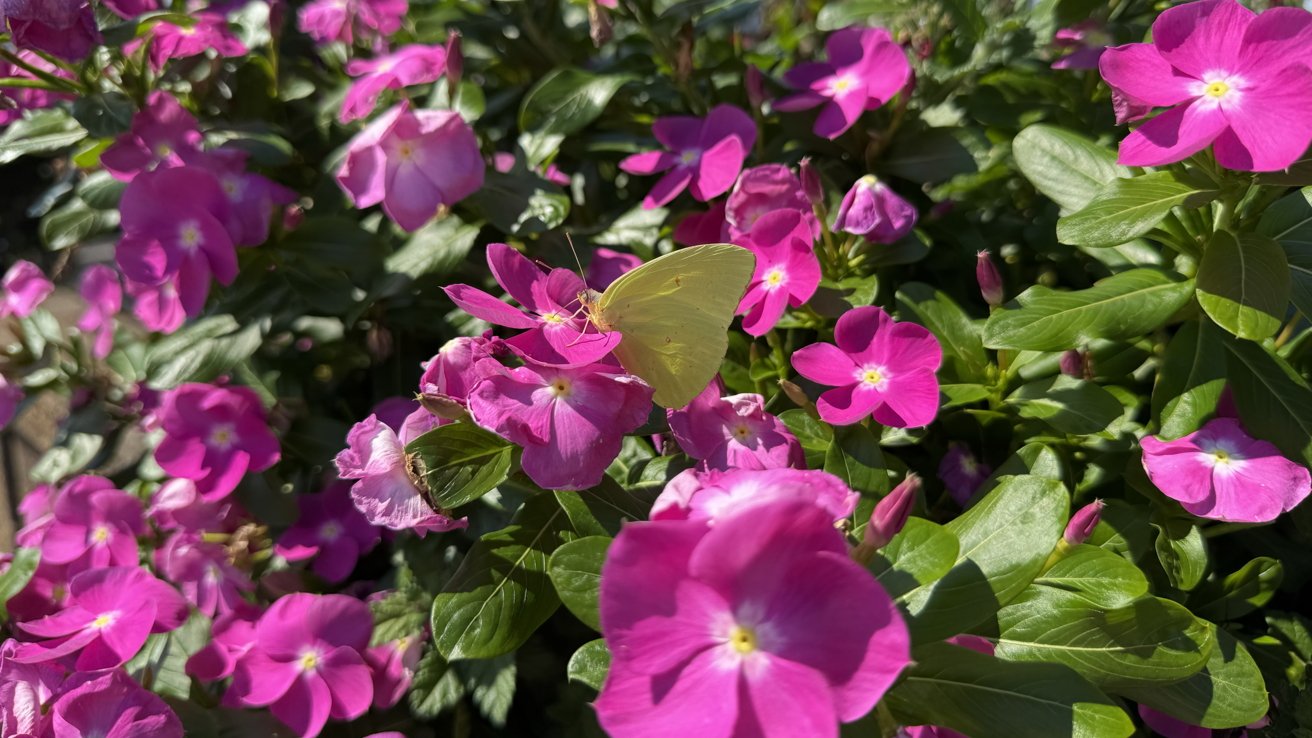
pixel 443 406
pixel 754 82
pixel 811 184
pixel 891 513
pixel 455 62
pixel 795 393
pixel 1083 522
pixel 990 280
pixel 599 25
pixel 1072 364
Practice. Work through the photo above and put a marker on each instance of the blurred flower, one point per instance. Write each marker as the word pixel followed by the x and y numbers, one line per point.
pixel 37 511
pixel 233 635
pixel 104 298
pixel 1220 472
pixel 696 229
pixel 873 210
pixel 14 100
pixel 157 306
pixel 94 525
pixel 413 64
pixel 787 270
pixel 962 473
pixel 349 21
pixel 714 496
pixel 65 28
pixel 1086 41
pixel 162 132
pixel 178 505
pixel 252 198
pixel 24 689
pixel 213 435
pixel 203 572
pixel 22 289
pixel 864 70
pixel 703 154
pixel 393 667
pixel 11 395
pixel 329 530
pixel 767 189
pixel 114 706
pixel 504 161
pixel 131 8
pixel 207 32
pixel 608 265
pixel 733 432
pixel 812 186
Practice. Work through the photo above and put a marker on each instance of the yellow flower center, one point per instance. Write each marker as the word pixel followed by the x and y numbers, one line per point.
pixel 330 531
pixel 1221 456
pixel 561 387
pixel 690 156
pixel 1216 89
pixel 742 639
pixel 100 534
pixel 554 318
pixel 221 437
pixel 189 235
pixel 872 376
pixel 774 277
pixel 309 661
pixel 103 621
pixel 405 151
pixel 742 432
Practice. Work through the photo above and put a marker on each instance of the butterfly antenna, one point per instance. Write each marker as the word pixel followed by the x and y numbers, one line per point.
pixel 577 263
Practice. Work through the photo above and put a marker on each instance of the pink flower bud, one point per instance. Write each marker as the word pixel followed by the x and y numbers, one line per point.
pixel 873 210
pixel 811 184
pixel 891 513
pixel 1072 364
pixel 1083 522
pixel 455 61
pixel 990 280
pixel 754 81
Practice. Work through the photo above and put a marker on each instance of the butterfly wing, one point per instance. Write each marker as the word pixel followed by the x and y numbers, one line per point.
pixel 674 313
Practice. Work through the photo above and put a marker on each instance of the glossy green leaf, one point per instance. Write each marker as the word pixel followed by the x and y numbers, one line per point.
pixel 575 570
pixel 855 458
pixel 1243 284
pixel 589 664
pixel 1241 592
pixel 843 13
pixel 565 101
pixel 963 353
pixel 104 114
pixel 1067 167
pixel 42 132
pixel 202 351
pixel 1274 402
pixel 1190 381
pixel 437 248
pixel 460 463
pixel 1097 575
pixel 1289 222
pixel 1067 404
pixel 919 555
pixel 1182 551
pixel 932 156
pixel 1125 209
pixel 519 204
pixel 17 575
pixel 435 687
pixel 1228 693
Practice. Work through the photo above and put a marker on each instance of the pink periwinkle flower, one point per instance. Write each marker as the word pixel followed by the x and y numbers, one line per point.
pixel 307 664
pixel 114 706
pixel 697 229
pixel 873 210
pixel 104 298
pixel 213 435
pixel 65 28
pixel 962 473
pixel 13 101
pixel 11 396
pixel 110 613
pixel 37 511
pixel 94 525
pixel 787 269
pixel 158 306
pixel 178 505
pixel 414 64
pixel 714 496
pixel 393 665
pixel 504 161
pixel 252 198
pixel 865 68
pixel 22 289
pixel 208 32
pixel 878 367
pixel 703 155
pixel 607 265
pixel 331 531
pixel 349 21
pixel 555 330
pixel 766 189
pixel 416 163
pixel 24 689
pixel 1220 472
pixel 714 630
pixel 1169 727
pixel 232 637
pixel 203 572
pixel 162 133
pixel 734 432
pixel 989 279
pixel 1232 79
pixel 449 375
pixel 374 458
pixel 1085 41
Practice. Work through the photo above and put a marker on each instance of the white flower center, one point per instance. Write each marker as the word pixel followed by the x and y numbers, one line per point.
pixel 840 86
pixel 873 376
pixel 309 660
pixel 1218 88
pixel 189 235
pixel 1222 458
pixel 330 531
pixel 221 437
pixel 104 620
pixel 775 278
pixel 561 387
pixel 689 156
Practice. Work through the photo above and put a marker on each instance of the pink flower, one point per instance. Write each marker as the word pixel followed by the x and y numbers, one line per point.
pixel 760 620
pixel 697 229
pixel 1086 41
pixel 714 496
pixel 232 637
pixel 13 101
pixel 209 32
pixel 329 530
pixel 864 70
pixel 24 688
pixel 1220 472
pixel 22 289
pixel 414 163
pixel 213 435
pixel 110 613
pixel 94 525
pixel 131 8
pixel 878 366
pixel 450 374
pixel 393 666
pixel 177 505
pixel 927 731
pixel 787 270
pixel 409 65
pixel 113 706
pixel 11 395
pixel 872 210
pixel 162 132
pixel 1083 522
pixel 704 154
pixel 350 20
pixel 767 189
pixel 504 161
pixel 962 473
pixel 891 513
pixel 733 432
pixel 158 306
pixel 383 490
pixel 1169 727
pixel 1231 79
pixel 252 198
pixel 555 330
pixel 607 266
pixel 570 421
pixel 64 28
pixel 37 510
pixel 46 593
pixel 306 664
pixel 203 572
pixel 104 298
pixel 989 279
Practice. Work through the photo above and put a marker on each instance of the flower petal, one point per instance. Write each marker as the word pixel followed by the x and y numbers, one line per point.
pixel 1203 36
pixel 1172 136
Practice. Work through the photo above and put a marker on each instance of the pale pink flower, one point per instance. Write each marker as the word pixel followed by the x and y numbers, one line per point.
pixel 330 531
pixel 393 665
pixel 104 298
pixel 766 189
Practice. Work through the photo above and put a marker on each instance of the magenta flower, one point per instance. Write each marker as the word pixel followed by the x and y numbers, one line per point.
pixel 873 210
pixel 891 513
pixel 570 421
pixel 232 637
pixel 24 688
pixel 158 306
pixel 716 631
pixel 104 297
pixel 349 21
pixel 1082 523
pixel 409 65
pixel 697 229
pixel 11 395
pixel 37 511
pixel 64 28
pixel 703 154
pixel 1231 79
pixel 504 161
pixel 733 432
pixel 306 665
pixel 879 367
pixel 447 377
pixel 113 706
pixel 94 525
pixel 865 69
pixel 375 458
pixel 1220 472
pixel 329 530
pixel 555 329
pixel 393 665
pixel 110 613
pixel 178 505
pixel 415 163
pixel 203 572
pixel 1169 727
pixel 209 32
pixel 714 496
pixel 22 289
pixel 607 265
pixel 787 270
pixel 45 594
pixel 766 189
pixel 1086 41
pixel 989 279
pixel 162 132
pixel 213 435
pixel 962 473
pixel 252 198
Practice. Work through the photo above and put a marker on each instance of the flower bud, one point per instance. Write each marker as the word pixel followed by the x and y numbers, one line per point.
pixel 796 394
pixel 455 62
pixel 990 280
pixel 873 210
pixel 754 82
pixel 443 406
pixel 1072 364
pixel 1083 522
pixel 811 184
pixel 891 513
pixel 599 25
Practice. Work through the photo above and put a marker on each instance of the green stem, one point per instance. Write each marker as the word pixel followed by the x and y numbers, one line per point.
pixel 58 82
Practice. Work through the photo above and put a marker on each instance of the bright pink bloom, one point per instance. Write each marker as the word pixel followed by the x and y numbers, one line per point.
pixel 1231 78
pixel 1169 727
pixel 113 706
pixel 24 688
pixel 178 505
pixel 878 366
pixel 64 28
pixel 607 266
pixel 210 32
pixel 94 525
pixel 203 572
pixel 45 594
pixel 329 530
pixel 697 229
pixel 556 331
pixel 104 297
pixel 864 70
pixel 232 636
pixel 714 496
pixel 962 473
pixel 766 189
pixel 252 198
pixel 733 432
pixel 927 731
pixel 22 289
pixel 375 458
pixel 570 421
pixel 37 510
pixel 162 133
pixel 306 664
pixel 350 20
pixel 989 279
pixel 873 210
pixel 787 269
pixel 110 613
pixel 393 666
pixel 158 306
pixel 414 64
pixel 447 377
pixel 213 435
pixel 1222 473
pixel 11 395
pixel 704 155
pixel 759 620
pixel 1086 41
pixel 416 163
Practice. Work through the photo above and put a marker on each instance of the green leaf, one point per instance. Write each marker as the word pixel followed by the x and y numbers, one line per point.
pixel 437 248
pixel 1068 404
pixel 1289 222
pixel 202 351
pixel 519 204
pixel 590 663
pixel 1004 541
pixel 104 114
pixel 16 577
pixel 1032 458
pixel 1067 167
pixel 460 463
pixel 985 697
pixel 919 555
pixel 565 102
pixel 963 352
pixel 1240 593
pixel 490 683
pixel 1098 575
pixel 1273 400
pixel 501 593
pixel 1228 693
pixel 162 662
pixel 1125 209
pixel 639 226
pixel 1243 284
pixel 1121 307
pixel 933 156
pixel 1191 379
pixel 435 688
pixel 814 435
pixel 835 16
pixel 41 132
pixel 74 222
pixel 1182 550
pixel 855 458
pixel 575 570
